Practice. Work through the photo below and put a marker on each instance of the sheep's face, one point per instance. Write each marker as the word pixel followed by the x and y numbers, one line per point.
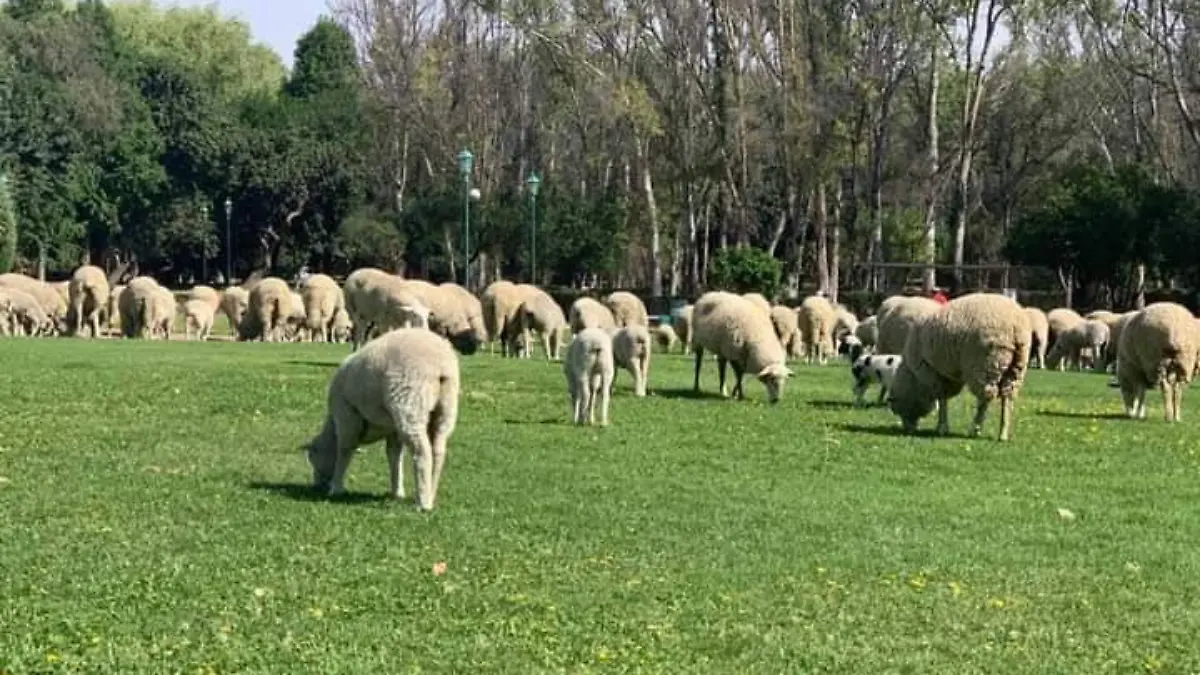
pixel 774 377
pixel 321 457
pixel 478 330
pixel 908 400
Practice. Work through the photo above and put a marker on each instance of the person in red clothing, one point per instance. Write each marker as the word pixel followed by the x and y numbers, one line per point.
pixel 939 296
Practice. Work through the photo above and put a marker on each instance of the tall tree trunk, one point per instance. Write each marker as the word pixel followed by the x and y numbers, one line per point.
pixel 931 176
pixel 656 268
pixel 820 235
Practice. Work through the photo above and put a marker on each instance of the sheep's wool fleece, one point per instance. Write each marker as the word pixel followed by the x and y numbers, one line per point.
pixel 1163 336
pixel 974 340
pixel 737 330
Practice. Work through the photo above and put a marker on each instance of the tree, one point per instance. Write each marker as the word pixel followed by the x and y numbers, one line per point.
pixel 8 227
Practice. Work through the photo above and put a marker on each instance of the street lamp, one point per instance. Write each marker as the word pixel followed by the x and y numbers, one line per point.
pixel 534 183
pixel 466 162
pixel 228 243
pixel 204 245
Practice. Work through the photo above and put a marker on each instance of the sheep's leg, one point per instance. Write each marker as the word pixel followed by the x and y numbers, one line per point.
pixel 1006 417
pixel 395 455
pixel 981 408
pixel 645 372
pixel 943 425
pixel 639 380
pixel 605 387
pixel 738 372
pixel 546 345
pixel 348 432
pixel 699 362
pixel 721 375
pixel 1167 386
pixel 422 452
pixel 587 397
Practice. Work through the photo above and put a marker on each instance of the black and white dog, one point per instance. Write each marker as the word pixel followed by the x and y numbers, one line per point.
pixel 879 368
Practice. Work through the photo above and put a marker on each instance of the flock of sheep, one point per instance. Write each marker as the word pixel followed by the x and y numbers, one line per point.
pixel 401 382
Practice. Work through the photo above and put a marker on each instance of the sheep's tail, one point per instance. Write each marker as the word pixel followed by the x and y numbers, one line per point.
pixel 1014 372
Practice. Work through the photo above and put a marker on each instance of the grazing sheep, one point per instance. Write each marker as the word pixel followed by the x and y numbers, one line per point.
pixel 627 309
pixel 402 387
pixel 845 323
pixel 322 299
pixel 25 315
pixel 341 328
pixel 7 320
pixel 1059 320
pixel 631 351
pixel 197 318
pixel 741 335
pixel 787 327
pixel 235 301
pixel 112 313
pixel 682 321
pixel 88 293
pixel 1079 346
pixel 588 367
pixel 868 332
pixel 1112 349
pixel 1108 357
pixel 53 305
pixel 267 315
pixel 539 312
pixel 588 313
pixel 138 307
pixel 817 319
pixel 500 302
pixel 1040 331
pixel 1159 346
pixel 980 341
pixel 363 301
pixel 472 308
pixel 851 347
pixel 665 336
pixel 897 315
pixel 206 294
pixel 870 368
pixel 295 326
pixel 163 310
pixel 449 315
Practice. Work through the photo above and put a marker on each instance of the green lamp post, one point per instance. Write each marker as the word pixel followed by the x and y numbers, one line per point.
pixel 534 184
pixel 466 162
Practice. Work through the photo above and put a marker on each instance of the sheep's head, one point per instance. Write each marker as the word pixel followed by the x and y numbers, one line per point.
pixel 908 399
pixel 322 453
pixel 456 327
pixel 774 377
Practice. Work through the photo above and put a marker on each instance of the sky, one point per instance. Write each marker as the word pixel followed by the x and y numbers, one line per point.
pixel 278 23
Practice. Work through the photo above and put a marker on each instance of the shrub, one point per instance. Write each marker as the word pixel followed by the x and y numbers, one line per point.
pixel 746 270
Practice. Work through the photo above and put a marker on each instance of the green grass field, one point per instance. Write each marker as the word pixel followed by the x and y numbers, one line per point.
pixel 155 517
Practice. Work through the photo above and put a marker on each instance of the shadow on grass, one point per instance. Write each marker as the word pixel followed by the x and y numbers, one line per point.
pixel 313 364
pixel 688 394
pixel 892 430
pixel 548 420
pixel 838 405
pixel 1064 414
pixel 304 492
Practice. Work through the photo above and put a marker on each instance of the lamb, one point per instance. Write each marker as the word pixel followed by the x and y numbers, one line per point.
pixel 682 321
pixel 1159 346
pixel 588 313
pixel 631 351
pixel 870 368
pixel 588 368
pixel 1080 345
pixel 759 301
pixel 897 315
pixel 138 307
pixel 742 335
pixel 665 336
pixel 817 319
pixel 88 292
pixel 197 318
pixel 267 314
pixel 980 341
pixel 402 387
pixel 787 327
pixel 627 309
pixel 322 299
pixel 539 312
pixel 235 301
pixel 1040 330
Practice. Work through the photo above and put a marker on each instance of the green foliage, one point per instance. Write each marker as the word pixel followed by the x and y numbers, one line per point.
pixel 8 226
pixel 746 270
pixel 325 62
pixel 370 239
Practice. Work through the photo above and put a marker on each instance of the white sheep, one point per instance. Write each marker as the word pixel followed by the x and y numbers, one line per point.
pixel 665 336
pixel 631 351
pixel 759 301
pixel 295 326
pixel 588 368
pixel 1159 346
pixel 163 313
pixel 868 332
pixel 1040 331
pixel 897 315
pixel 541 314
pixel 787 327
pixel 681 320
pixel 500 302
pixel 1058 321
pixel 846 322
pixel 980 341
pixel 235 301
pixel 322 299
pixel 25 315
pixel 471 307
pixel 112 312
pixel 88 293
pixel 817 318
pixel 52 302
pixel 450 314
pixel 588 313
pixel 870 368
pixel 363 298
pixel 627 309
pixel 740 334
pixel 197 318
pixel 341 328
pixel 270 306
pixel 402 387
pixel 138 307
pixel 1080 345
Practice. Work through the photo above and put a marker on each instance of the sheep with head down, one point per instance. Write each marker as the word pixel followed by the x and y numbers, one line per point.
pixel 53 304
pixel 1079 346
pixel 681 321
pixel 88 293
pixel 896 317
pixel 631 352
pixel 817 318
pixel 322 299
pixel 112 312
pixel 364 292
pixel 759 301
pixel 197 319
pixel 541 314
pixel 627 309
pixel 163 310
pixel 235 301
pixel 787 327
pixel 589 313
pixel 588 367
pixel 665 336
pixel 470 306
pixel 138 307
pixel 1159 347
pixel 978 341
pixel 449 315
pixel 741 335
pixel 401 387
pixel 1040 332
pixel 295 326
pixel 266 316
pixel 500 302
pixel 24 314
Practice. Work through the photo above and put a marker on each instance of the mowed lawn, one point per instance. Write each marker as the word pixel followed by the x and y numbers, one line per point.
pixel 155 517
